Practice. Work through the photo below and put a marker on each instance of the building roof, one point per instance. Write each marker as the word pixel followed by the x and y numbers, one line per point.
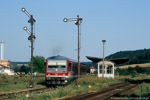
pixel 5 62
pixel 115 60
pixel 3 66
pixel 107 62
pixel 92 67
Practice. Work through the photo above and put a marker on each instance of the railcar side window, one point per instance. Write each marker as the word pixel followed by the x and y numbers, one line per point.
pixel 50 66
pixel 62 67
pixel 70 66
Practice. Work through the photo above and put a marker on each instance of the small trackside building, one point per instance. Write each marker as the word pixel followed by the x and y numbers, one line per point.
pixel 92 69
pixel 108 69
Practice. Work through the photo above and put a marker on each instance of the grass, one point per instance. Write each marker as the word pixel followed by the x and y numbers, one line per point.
pixel 14 83
pixel 141 92
pixel 87 84
pixel 72 89
pixel 141 76
pixel 142 89
pixel 138 77
pixel 6 88
pixel 134 65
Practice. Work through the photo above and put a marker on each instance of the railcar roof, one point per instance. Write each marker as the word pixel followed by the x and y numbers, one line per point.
pixel 58 57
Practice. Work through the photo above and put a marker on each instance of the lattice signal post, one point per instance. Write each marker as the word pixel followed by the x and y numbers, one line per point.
pixel 77 22
pixel 30 38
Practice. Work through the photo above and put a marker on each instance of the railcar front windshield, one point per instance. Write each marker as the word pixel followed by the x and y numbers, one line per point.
pixel 57 66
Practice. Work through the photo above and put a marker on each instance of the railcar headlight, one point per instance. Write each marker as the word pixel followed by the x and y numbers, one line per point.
pixel 48 74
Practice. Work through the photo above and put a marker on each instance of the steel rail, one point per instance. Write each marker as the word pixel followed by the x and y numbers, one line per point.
pixel 22 91
pixel 105 93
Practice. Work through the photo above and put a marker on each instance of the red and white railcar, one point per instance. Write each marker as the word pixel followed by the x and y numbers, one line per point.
pixel 60 70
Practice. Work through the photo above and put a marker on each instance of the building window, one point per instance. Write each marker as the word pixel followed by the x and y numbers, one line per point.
pixel 101 68
pixel 109 69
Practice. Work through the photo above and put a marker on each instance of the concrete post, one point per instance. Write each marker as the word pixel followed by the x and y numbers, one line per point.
pixel 2 50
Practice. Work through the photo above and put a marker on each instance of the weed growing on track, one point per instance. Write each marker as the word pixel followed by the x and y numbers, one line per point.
pixel 71 89
pixel 142 89
pixel 141 92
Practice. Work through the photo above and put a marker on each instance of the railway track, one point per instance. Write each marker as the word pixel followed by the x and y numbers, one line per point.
pixel 105 93
pixel 23 91
pixel 102 94
pixel 1 84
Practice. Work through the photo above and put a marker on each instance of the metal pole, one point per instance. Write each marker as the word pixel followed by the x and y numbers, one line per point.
pixel 31 78
pixel 31 37
pixel 103 58
pixel 78 51
pixel 77 22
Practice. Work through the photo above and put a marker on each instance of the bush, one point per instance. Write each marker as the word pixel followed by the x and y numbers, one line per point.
pixel 134 73
pixel 122 71
pixel 4 76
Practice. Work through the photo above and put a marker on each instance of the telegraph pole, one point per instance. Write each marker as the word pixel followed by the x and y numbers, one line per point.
pixel 103 58
pixel 77 22
pixel 31 39
pixel 78 49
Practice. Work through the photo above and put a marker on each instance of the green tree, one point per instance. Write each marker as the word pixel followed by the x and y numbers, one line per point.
pixel 139 69
pixel 135 57
pixel 38 64
pixel 130 69
pixel 16 69
pixel 122 71
pixel 134 73
pixel 24 69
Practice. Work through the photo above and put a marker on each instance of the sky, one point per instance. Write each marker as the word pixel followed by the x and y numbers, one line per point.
pixel 124 24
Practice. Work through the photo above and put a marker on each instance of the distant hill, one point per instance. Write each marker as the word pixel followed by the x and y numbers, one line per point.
pixel 19 64
pixel 135 57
